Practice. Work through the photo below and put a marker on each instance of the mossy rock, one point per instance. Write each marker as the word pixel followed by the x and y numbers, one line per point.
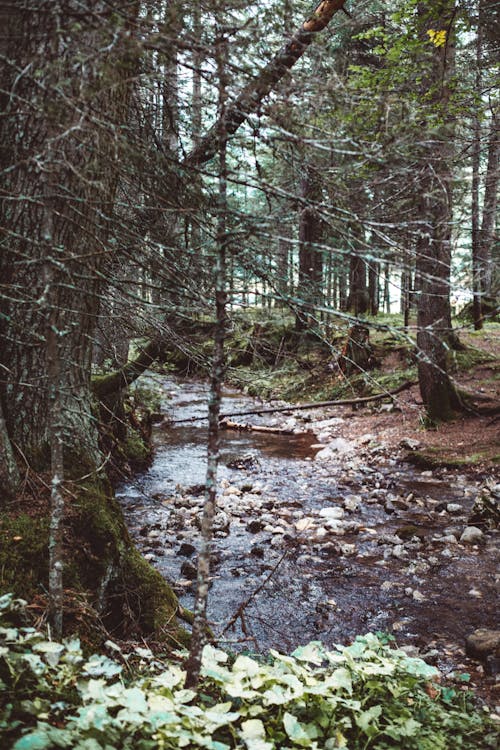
pixel 435 458
pixel 102 567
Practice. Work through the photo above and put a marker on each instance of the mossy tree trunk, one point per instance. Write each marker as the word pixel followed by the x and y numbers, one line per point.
pixel 65 89
pixel 62 96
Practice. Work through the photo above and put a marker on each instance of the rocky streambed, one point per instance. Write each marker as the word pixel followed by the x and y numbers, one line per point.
pixel 318 537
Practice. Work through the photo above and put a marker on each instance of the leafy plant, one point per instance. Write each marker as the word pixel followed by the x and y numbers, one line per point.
pixel 367 695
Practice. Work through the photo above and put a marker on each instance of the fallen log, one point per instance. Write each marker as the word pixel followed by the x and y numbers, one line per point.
pixel 301 407
pixel 227 424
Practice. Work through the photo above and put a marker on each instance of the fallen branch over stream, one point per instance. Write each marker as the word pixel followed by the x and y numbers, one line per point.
pixel 227 424
pixel 314 405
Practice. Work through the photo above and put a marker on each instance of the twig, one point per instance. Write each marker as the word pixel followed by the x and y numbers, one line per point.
pixel 241 609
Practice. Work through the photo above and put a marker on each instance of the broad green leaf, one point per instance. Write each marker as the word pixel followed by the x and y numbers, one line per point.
pixel 365 720
pixel 246 665
pixel 101 666
pixel 313 653
pixel 37 740
pixel 51 650
pixel 296 731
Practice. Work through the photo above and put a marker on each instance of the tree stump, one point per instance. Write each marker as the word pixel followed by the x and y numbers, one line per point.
pixel 357 353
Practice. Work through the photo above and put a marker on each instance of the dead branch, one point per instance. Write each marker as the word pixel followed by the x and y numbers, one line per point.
pixel 301 407
pixel 227 424
pixel 240 612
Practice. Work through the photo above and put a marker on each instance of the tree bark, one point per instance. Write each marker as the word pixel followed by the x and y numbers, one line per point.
pixel 433 255
pixel 200 627
pixel 310 283
pixel 46 70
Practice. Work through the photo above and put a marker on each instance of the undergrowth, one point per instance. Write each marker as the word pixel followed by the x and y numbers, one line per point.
pixel 365 696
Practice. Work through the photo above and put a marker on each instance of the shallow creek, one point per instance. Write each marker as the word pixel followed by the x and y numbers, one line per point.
pixel 324 544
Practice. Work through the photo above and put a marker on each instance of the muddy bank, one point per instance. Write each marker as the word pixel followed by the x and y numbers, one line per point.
pixel 326 537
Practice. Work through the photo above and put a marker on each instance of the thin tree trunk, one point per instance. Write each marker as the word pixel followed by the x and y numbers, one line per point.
pixel 9 473
pixel 476 161
pixel 198 638
pixel 310 284
pixel 373 286
pixel 489 216
pixel 387 287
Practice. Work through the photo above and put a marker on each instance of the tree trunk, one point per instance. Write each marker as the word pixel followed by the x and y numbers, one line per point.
pixel 200 627
pixel 310 284
pixel 58 114
pixel 434 242
pixel 9 473
pixel 373 286
pixel 487 232
pixel 477 290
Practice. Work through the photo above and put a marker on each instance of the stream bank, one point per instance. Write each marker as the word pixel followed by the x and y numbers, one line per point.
pixel 327 533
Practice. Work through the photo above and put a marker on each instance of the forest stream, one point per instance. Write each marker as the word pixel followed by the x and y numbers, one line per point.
pixel 320 538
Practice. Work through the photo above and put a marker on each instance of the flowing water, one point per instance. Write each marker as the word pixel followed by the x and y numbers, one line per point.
pixel 308 549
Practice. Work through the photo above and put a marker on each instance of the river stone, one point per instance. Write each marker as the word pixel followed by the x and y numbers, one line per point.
pixel 454 508
pixel 257 551
pixel 254 526
pixel 334 512
pixel 221 521
pixel 410 443
pixel 186 549
pixel 483 643
pixel 304 523
pixel 471 535
pixel 352 503
pixel 189 571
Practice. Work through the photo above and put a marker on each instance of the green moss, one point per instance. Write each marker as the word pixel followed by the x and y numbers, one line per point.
pixel 433 458
pixel 468 358
pixel 102 567
pixel 23 554
pixel 135 448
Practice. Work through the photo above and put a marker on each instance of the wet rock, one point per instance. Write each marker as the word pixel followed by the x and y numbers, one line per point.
pixel 332 513
pixel 399 551
pixel 348 549
pixel 418 596
pixel 337 446
pixel 248 461
pixel 389 539
pixel 232 490
pixel 475 593
pixel 471 535
pixel 366 439
pixel 304 523
pixel 221 522
pixel 189 571
pixel 196 490
pixel 483 643
pixel 352 503
pixel 410 444
pixel 254 526
pixel 186 549
pixel 485 512
pixel 454 508
pixel 257 551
